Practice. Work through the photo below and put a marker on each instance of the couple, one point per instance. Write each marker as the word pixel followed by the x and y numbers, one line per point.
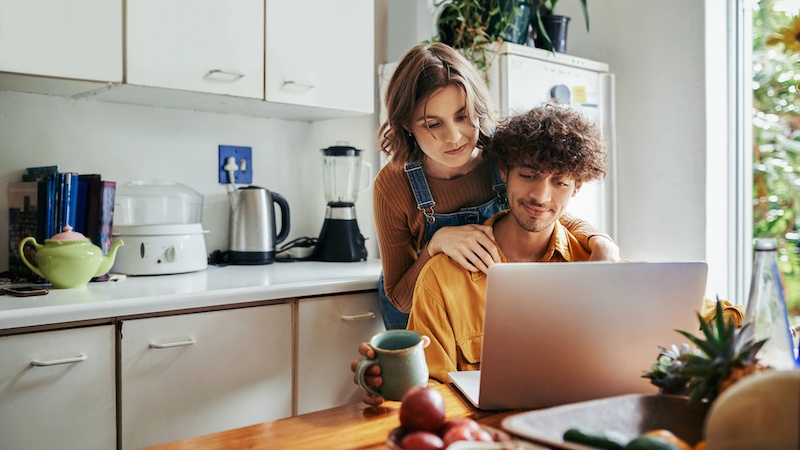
pixel 544 156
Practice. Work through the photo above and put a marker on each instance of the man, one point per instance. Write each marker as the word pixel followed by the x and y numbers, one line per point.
pixel 544 157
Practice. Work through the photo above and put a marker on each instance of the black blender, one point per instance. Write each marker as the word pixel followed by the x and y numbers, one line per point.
pixel 340 239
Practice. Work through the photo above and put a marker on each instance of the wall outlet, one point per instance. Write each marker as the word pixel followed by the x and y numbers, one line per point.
pixel 243 157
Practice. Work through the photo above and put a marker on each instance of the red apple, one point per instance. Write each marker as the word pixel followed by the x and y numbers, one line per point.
pixel 422 440
pixel 422 409
pixel 466 432
pixel 456 421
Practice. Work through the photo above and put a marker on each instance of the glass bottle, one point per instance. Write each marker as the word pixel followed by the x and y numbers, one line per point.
pixel 766 308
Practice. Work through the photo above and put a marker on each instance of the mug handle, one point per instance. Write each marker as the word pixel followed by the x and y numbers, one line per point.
pixel 361 371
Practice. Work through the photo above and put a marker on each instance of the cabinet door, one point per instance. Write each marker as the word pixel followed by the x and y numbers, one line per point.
pixel 57 390
pixel 321 53
pixel 213 46
pixel 329 331
pixel 194 374
pixel 66 39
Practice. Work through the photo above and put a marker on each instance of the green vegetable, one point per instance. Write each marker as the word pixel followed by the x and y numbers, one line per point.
pixel 649 443
pixel 607 439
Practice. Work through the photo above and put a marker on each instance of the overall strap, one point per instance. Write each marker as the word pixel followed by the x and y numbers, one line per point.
pixel 419 186
pixel 498 186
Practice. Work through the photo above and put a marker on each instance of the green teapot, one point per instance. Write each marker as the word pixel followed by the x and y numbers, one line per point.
pixel 69 259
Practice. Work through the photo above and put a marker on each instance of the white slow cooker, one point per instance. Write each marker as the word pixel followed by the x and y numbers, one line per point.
pixel 160 249
pixel 159 222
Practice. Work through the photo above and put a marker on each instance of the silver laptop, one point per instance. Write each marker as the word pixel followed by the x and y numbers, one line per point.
pixel 557 333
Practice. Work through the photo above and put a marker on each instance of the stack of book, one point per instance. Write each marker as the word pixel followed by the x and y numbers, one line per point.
pixel 46 201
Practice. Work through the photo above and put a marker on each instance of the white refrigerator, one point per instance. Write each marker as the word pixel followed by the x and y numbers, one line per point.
pixel 522 77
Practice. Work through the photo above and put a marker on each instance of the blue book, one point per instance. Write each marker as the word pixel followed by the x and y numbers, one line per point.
pixel 70 198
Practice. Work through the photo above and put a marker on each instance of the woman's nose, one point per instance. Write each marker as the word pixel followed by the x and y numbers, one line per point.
pixel 452 134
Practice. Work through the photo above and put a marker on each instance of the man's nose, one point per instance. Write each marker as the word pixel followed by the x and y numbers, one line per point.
pixel 540 191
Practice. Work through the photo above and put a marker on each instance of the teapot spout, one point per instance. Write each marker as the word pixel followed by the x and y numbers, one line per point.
pixel 108 260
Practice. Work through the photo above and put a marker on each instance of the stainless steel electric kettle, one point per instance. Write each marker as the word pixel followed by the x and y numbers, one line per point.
pixel 252 235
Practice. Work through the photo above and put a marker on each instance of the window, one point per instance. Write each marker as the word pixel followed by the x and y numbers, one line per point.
pixel 774 27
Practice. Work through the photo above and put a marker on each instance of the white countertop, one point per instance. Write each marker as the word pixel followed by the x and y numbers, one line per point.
pixel 213 286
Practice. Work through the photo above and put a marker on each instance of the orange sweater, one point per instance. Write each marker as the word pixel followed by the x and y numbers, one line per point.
pixel 400 226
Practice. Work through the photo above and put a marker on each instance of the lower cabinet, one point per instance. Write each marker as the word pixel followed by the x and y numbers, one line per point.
pixel 329 331
pixel 193 374
pixel 57 390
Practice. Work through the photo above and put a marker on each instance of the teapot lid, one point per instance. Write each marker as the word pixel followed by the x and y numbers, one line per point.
pixel 68 235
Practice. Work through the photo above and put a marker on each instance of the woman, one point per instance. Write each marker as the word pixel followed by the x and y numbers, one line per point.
pixel 437 189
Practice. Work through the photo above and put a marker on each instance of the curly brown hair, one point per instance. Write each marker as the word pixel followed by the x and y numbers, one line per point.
pixel 423 71
pixel 551 139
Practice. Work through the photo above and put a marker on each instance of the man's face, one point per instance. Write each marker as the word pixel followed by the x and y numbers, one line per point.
pixel 538 199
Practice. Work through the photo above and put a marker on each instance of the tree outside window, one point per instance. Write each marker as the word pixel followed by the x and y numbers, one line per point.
pixel 776 136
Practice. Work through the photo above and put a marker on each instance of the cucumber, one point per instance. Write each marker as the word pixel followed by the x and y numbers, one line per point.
pixel 649 443
pixel 607 439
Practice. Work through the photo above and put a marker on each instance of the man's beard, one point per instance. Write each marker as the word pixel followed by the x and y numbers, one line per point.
pixel 532 224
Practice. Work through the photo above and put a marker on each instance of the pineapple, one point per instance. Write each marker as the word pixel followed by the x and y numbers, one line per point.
pixel 728 354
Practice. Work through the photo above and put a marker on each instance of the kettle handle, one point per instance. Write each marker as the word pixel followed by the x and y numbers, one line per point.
pixel 284 206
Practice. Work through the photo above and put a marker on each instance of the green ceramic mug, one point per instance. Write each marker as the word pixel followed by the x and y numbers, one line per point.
pixel 401 356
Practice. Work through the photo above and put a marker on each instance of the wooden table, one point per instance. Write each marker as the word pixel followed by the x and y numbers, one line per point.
pixel 355 426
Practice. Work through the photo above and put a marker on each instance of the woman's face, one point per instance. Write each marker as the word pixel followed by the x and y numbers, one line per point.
pixel 444 133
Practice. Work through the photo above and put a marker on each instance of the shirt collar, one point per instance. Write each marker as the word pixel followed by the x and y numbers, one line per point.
pixel 559 244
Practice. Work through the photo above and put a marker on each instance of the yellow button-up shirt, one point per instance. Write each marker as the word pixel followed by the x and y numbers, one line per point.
pixel 449 302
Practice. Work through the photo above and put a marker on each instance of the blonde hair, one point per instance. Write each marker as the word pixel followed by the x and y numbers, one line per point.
pixel 422 71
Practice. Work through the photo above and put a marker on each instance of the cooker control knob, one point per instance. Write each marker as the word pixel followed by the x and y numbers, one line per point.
pixel 172 254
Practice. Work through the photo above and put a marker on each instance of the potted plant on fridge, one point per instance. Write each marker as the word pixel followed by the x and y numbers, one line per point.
pixel 550 29
pixel 474 26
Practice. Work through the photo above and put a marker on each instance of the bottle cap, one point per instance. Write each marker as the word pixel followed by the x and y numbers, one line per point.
pixel 766 244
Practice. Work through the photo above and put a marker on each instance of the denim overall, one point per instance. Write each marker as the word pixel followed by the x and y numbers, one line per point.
pixel 392 317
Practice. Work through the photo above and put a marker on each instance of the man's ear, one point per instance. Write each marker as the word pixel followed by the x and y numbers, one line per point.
pixel 504 173
pixel 578 185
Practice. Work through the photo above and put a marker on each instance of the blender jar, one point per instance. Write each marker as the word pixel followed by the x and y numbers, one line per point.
pixel 341 173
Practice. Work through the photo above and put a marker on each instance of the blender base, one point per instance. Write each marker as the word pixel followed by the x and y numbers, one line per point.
pixel 340 241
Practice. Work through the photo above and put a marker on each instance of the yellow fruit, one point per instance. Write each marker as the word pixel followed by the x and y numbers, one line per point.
pixel 760 411
pixel 668 437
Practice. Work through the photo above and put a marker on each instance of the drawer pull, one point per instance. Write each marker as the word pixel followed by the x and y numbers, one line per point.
pixel 296 86
pixel 55 362
pixel 182 343
pixel 224 75
pixel 366 315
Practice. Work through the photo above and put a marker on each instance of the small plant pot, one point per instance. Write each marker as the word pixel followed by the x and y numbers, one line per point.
pixel 556 28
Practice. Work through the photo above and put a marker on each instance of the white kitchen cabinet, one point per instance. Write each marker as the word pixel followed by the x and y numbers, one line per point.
pixel 194 374
pixel 329 331
pixel 78 40
pixel 213 46
pixel 321 53
pixel 57 390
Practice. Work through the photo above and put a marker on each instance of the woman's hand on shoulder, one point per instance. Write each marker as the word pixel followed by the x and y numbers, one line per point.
pixel 471 246
pixel 603 249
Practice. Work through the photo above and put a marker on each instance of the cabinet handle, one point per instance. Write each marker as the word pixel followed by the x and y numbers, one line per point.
pixel 224 75
pixel 55 362
pixel 183 343
pixel 296 86
pixel 366 315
